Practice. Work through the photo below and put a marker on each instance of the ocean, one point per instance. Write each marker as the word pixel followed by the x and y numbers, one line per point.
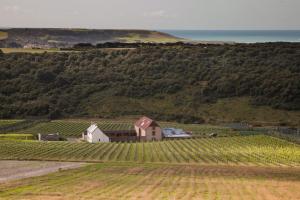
pixel 239 36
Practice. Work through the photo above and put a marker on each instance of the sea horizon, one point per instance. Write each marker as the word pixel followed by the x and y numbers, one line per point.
pixel 238 36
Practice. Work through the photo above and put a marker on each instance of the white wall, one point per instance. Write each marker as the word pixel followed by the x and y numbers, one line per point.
pixel 97 136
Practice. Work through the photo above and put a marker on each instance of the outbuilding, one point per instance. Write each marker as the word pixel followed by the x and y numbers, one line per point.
pixel 93 134
pixel 173 133
pixel 147 130
pixel 48 136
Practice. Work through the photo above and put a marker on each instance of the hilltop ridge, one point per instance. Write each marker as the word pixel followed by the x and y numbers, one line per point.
pixel 57 38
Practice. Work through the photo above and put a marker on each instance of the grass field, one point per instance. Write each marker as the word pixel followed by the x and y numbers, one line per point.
pixel 240 150
pixel 9 122
pixel 3 35
pixel 74 128
pixel 240 109
pixel 16 137
pixel 153 37
pixel 149 181
pixel 235 109
pixel 27 50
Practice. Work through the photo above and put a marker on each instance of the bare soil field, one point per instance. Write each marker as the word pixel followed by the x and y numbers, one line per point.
pixel 156 181
pixel 13 170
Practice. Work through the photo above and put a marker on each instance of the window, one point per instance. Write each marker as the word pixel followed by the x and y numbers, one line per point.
pixel 153 133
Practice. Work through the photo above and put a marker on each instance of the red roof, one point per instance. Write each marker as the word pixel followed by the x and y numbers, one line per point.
pixel 145 122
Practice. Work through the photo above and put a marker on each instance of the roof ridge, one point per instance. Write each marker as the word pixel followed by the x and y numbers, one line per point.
pixel 144 122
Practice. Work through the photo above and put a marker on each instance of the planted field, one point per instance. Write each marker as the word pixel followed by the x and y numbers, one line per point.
pixel 148 181
pixel 14 170
pixel 74 128
pixel 241 150
pixel 13 126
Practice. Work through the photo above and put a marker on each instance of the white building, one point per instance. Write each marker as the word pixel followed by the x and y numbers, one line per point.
pixel 93 135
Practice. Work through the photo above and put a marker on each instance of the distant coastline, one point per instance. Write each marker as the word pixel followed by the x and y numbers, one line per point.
pixel 237 36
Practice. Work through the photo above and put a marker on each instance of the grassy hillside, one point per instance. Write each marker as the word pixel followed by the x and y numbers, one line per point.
pixel 223 111
pixel 153 36
pixel 212 83
pixel 148 181
pixel 3 35
pixel 241 150
pixel 46 38
pixel 28 50
pixel 241 109
pixel 4 123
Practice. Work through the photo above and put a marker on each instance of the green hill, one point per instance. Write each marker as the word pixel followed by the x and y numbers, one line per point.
pixel 56 38
pixel 212 83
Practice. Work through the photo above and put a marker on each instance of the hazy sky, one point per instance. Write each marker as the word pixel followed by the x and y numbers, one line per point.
pixel 152 14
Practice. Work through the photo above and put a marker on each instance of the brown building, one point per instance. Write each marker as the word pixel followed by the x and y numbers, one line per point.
pixel 147 130
pixel 49 137
pixel 121 136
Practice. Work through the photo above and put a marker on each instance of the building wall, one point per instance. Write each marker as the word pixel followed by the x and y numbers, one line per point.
pixel 48 137
pixel 84 137
pixel 153 133
pixel 137 130
pixel 147 135
pixel 124 139
pixel 97 136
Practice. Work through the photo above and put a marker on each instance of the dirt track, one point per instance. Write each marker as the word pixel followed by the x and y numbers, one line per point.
pixel 13 170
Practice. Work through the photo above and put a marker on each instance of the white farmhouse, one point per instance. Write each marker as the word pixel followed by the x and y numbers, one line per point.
pixel 93 135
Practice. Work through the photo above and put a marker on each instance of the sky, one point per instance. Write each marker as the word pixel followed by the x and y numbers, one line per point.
pixel 152 14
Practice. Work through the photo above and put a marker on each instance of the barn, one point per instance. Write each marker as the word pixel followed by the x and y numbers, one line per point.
pixel 93 135
pixel 147 130
pixel 48 137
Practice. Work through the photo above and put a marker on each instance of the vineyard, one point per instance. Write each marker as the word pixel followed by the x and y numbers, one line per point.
pixel 242 150
pixel 148 181
pixel 74 128
pixel 12 126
